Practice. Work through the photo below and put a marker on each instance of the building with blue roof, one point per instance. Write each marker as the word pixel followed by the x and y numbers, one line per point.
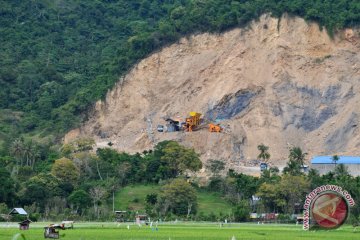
pixel 325 164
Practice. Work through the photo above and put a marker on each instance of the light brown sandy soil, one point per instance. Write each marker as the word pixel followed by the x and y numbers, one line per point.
pixel 280 83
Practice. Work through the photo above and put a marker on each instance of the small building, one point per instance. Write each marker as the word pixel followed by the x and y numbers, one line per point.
pixel 19 211
pixel 24 225
pixel 172 125
pixel 325 164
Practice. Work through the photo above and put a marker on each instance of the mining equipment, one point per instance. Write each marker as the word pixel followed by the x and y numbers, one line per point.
pixel 192 122
pixel 215 127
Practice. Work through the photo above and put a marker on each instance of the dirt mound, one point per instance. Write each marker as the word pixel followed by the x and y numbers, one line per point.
pixel 275 82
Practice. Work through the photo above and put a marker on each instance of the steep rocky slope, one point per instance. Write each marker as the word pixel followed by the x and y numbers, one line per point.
pixel 275 82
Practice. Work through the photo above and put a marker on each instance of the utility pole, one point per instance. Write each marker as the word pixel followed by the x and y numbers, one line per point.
pixel 113 200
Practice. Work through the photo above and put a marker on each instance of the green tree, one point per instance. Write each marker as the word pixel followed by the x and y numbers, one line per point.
pixel 24 173
pixel 65 170
pixel 177 159
pixel 270 175
pixel 242 211
pixel 292 168
pixel 178 197
pixel 151 198
pixel 67 149
pixel 30 153
pixel 315 178
pixel 335 159
pixel 293 190
pixel 4 209
pixel 297 155
pixel 341 171
pixel 17 148
pixel 80 200
pixel 286 195
pixel 7 187
pixel 27 152
pixel 268 193
pixel 36 192
pixel 97 194
pixel 77 145
pixel 264 154
pixel 87 163
pixel 296 161
pixel 38 189
pixel 246 186
pixel 215 166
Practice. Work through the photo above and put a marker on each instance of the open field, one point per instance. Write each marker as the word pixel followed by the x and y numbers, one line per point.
pixel 212 203
pixel 180 231
pixel 133 197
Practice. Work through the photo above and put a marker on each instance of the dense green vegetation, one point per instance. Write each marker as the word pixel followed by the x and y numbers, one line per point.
pixel 185 231
pixel 58 57
pixel 74 182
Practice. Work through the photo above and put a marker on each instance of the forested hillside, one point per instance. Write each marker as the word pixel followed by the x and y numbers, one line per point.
pixel 58 57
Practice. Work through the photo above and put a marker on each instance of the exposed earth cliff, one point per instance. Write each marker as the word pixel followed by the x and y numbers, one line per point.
pixel 275 82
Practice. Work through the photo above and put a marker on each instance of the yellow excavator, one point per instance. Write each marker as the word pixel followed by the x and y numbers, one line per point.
pixel 192 122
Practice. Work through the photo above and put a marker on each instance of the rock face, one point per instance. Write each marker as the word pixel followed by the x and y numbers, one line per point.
pixel 278 82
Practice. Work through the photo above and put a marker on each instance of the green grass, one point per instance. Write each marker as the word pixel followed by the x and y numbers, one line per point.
pixel 133 198
pixel 212 202
pixel 182 231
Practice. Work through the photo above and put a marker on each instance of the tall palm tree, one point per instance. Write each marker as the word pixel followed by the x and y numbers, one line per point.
pixel 297 155
pixel 264 154
pixel 334 159
pixel 29 152
pixel 36 155
pixel 17 148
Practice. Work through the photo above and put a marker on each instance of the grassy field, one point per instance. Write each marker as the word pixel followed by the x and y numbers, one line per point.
pixel 133 198
pixel 212 202
pixel 181 231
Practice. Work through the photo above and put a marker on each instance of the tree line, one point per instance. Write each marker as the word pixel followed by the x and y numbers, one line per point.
pixel 73 181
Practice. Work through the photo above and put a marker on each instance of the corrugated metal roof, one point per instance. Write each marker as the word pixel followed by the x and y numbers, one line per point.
pixel 342 160
pixel 20 211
